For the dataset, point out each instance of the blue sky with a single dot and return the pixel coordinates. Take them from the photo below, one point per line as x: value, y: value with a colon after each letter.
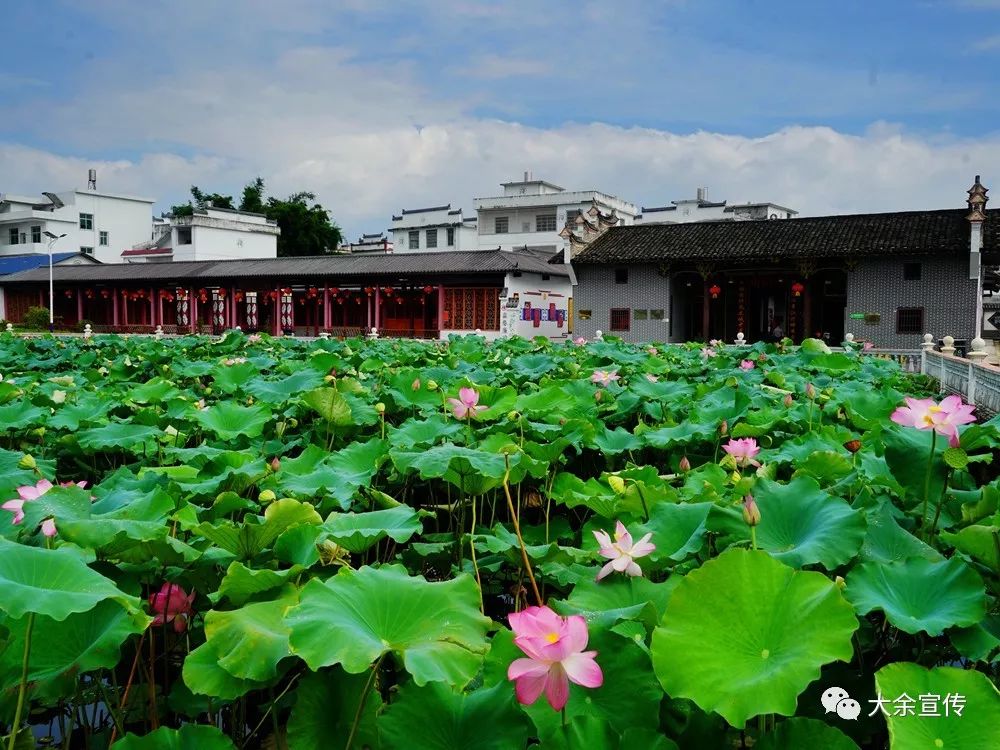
x: 378, y: 105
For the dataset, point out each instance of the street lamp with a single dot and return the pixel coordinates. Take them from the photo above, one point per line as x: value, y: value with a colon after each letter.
x: 52, y: 300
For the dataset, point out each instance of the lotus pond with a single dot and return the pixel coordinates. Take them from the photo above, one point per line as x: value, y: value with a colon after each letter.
x: 256, y: 542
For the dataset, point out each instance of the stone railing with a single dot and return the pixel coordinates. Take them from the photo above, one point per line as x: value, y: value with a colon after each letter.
x: 970, y: 376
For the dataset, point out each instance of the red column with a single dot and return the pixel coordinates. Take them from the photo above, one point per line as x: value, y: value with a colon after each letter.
x: 378, y: 305
x: 193, y: 309
x: 277, y: 312
x: 368, y: 313
x: 705, y: 312
x: 79, y: 305
x: 231, y: 300
x: 114, y: 306
x: 152, y: 306
x: 440, y: 316
x: 327, y: 312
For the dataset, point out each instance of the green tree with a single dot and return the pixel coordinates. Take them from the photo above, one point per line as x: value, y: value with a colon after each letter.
x: 253, y: 197
x: 203, y: 200
x: 306, y: 227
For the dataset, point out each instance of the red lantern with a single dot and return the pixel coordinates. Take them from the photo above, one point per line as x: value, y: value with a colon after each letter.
x: 715, y: 290
x: 428, y: 289
x: 238, y: 295
x: 221, y: 293
x: 369, y: 290
x: 797, y: 289
x: 89, y: 294
x: 68, y: 293
x: 105, y: 293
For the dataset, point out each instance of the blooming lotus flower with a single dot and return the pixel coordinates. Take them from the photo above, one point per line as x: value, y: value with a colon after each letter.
x: 49, y: 527
x: 707, y: 352
x: 579, y: 341
x: 27, y: 493
x: 714, y: 343
x: 943, y: 418
x: 554, y: 647
x: 743, y: 450
x: 622, y: 551
x: 746, y: 364
x: 466, y: 405
x: 604, y: 377
x: 230, y: 361
x: 171, y: 604
x: 868, y: 346
x: 253, y: 338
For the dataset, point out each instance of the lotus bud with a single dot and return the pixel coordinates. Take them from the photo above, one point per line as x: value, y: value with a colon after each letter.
x: 597, y: 395
x: 432, y: 385
x: 27, y: 462
x: 810, y: 390
x: 840, y: 583
x: 789, y: 400
x: 171, y: 431
x: 275, y: 464
x: 724, y: 428
x: 266, y: 497
x: 329, y: 378
x: 380, y: 408
x: 293, y: 423
x: 751, y: 513
x: 684, y: 464
x: 853, y: 445
x: 617, y: 484
x: 415, y: 385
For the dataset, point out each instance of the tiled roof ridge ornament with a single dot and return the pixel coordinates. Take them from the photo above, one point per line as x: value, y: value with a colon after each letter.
x: 977, y: 202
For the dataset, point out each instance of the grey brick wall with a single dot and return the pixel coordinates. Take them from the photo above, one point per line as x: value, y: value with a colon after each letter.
x: 944, y: 290
x: 597, y: 291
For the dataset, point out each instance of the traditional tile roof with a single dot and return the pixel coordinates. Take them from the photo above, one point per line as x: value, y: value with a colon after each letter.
x: 11, y: 264
x: 425, y: 265
x: 905, y: 233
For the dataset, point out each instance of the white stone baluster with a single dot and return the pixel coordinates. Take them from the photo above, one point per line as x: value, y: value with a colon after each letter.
x: 740, y: 339
x: 926, y: 346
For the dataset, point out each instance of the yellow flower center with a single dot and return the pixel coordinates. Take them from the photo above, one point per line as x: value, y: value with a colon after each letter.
x: 552, y: 637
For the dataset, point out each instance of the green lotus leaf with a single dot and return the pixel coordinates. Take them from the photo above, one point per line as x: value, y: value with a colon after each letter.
x: 435, y: 717
x: 81, y: 643
x: 242, y: 583
x: 798, y: 733
x: 982, y: 543
x: 424, y: 431
x: 618, y: 440
x: 250, y: 641
x: 232, y: 378
x: 356, y: 532
x: 906, y: 452
x: 886, y: 541
x: 678, y: 529
x: 618, y: 598
x: 124, y: 436
x: 357, y: 616
x: 21, y: 414
x: 975, y: 726
x: 153, y: 391
x: 326, y: 703
x: 330, y: 404
x: 918, y: 594
x: 802, y: 525
x: 250, y: 539
x: 229, y: 420
x: 279, y: 391
x: 203, y: 676
x: 979, y: 642
x: 188, y: 737
x: 744, y: 634
x: 339, y: 475
x: 55, y: 583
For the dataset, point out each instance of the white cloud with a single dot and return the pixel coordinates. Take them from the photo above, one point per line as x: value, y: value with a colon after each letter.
x: 987, y: 44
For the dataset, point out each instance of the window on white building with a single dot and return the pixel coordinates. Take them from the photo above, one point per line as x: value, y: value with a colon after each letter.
x: 414, y: 237
x: 451, y: 236
x: 545, y: 223
x: 571, y: 214
x: 184, y: 235
x: 86, y: 221
x: 87, y: 250
x: 432, y: 238
x: 103, y: 239
x: 13, y: 235
x: 36, y: 234
x: 501, y: 225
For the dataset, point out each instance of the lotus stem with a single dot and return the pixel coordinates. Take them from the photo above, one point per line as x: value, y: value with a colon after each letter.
x: 475, y: 565
x: 642, y: 499
x: 753, y: 536
x: 927, y: 483
x: 361, y: 703
x: 517, y: 532
x: 940, y: 502
x: 23, y: 687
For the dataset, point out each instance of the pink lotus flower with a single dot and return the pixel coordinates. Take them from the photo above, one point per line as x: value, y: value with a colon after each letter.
x: 253, y: 338
x: 415, y: 385
x: 554, y: 646
x: 622, y: 552
x: 714, y: 343
x: 652, y: 378
x: 466, y: 405
x: 707, y: 352
x: 943, y: 418
x: 743, y: 450
x: 746, y: 364
x: 868, y: 346
x: 604, y: 377
x: 27, y: 494
x: 579, y: 341
x: 172, y: 604
x: 49, y: 527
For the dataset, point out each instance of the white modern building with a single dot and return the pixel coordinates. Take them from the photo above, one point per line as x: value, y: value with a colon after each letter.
x: 377, y: 242
x: 433, y: 229
x: 700, y: 208
x: 89, y: 221
x: 207, y: 234
x: 533, y: 213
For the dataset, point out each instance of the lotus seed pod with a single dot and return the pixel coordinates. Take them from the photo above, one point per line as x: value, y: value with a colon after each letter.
x: 27, y: 462
x: 329, y: 378
x: 293, y: 423
x: 432, y: 385
x: 617, y: 484
x: 380, y: 408
x: 266, y: 497
x: 512, y: 416
x: 751, y: 513
x: 853, y: 445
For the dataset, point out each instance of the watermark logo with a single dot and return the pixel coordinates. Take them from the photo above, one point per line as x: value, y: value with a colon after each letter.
x: 836, y: 700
